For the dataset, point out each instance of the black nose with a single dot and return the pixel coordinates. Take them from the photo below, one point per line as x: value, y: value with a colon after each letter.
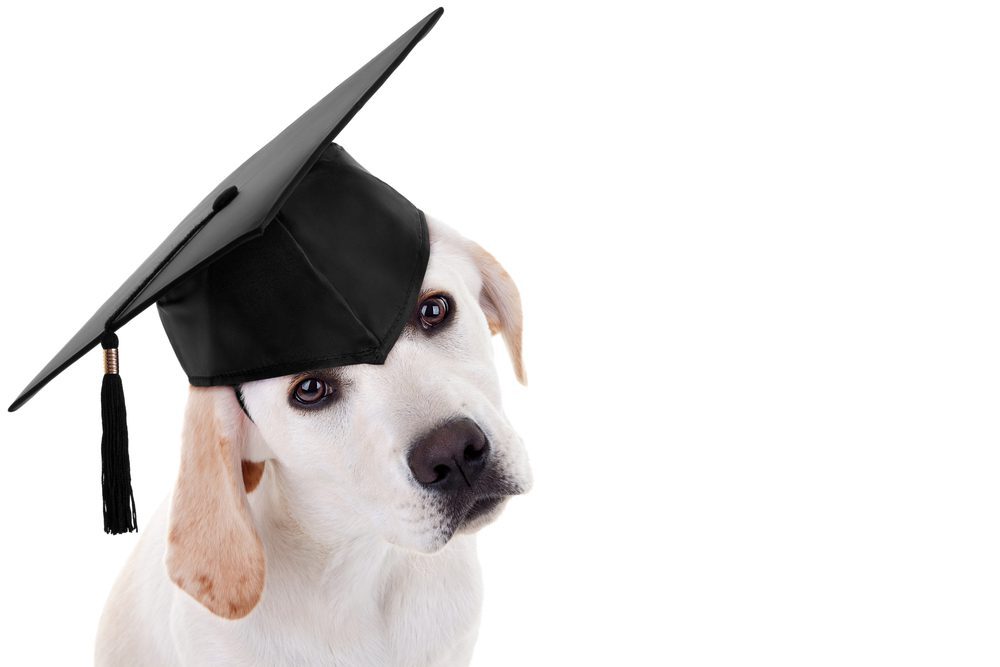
x: 451, y: 456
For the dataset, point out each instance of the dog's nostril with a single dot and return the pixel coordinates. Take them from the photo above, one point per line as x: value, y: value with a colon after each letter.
x: 440, y: 472
x: 473, y: 453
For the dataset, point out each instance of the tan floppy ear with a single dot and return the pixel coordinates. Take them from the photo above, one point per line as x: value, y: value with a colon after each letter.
x: 501, y: 302
x: 213, y: 550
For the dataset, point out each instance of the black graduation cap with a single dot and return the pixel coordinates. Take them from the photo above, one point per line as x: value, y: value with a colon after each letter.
x: 299, y: 232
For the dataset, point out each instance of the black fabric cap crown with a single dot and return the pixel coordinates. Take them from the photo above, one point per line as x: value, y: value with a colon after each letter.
x: 331, y: 282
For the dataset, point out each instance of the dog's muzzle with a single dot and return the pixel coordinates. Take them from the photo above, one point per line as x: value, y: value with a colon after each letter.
x: 453, y: 461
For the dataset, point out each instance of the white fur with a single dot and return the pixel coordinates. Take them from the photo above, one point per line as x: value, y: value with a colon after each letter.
x: 362, y: 567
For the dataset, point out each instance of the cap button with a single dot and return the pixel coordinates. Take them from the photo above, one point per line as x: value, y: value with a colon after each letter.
x: 224, y: 198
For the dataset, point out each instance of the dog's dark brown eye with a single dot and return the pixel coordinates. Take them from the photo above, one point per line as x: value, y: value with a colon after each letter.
x: 311, y: 391
x: 433, y: 310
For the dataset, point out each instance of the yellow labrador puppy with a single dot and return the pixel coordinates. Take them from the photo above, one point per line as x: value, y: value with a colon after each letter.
x: 328, y: 518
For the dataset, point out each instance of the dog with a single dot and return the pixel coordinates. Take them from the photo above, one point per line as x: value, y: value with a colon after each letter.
x: 329, y: 517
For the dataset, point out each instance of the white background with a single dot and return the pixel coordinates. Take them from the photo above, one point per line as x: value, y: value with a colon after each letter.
x: 757, y: 245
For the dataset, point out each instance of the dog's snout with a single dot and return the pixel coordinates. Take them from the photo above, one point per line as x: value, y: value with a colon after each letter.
x: 450, y: 457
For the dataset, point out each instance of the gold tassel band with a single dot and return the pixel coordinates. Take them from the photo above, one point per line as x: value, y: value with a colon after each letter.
x: 111, y: 361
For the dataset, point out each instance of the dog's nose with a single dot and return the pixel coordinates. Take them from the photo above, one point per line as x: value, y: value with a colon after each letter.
x: 450, y: 457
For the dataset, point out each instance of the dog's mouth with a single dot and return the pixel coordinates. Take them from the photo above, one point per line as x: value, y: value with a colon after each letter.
x: 470, y: 510
x: 482, y: 507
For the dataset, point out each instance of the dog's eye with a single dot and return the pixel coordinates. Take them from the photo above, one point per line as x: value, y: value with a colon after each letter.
x: 433, y: 310
x: 311, y: 391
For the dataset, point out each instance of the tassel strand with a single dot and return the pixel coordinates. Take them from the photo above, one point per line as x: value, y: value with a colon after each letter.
x: 116, y: 476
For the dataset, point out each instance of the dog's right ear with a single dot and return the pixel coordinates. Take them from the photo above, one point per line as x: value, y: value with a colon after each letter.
x: 501, y: 303
x: 213, y: 551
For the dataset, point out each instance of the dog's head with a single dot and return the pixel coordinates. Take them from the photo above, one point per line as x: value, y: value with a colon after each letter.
x: 410, y: 451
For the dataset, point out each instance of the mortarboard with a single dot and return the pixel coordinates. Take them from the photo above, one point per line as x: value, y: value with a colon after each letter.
x: 299, y: 229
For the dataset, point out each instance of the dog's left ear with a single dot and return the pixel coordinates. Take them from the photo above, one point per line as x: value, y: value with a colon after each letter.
x: 501, y: 302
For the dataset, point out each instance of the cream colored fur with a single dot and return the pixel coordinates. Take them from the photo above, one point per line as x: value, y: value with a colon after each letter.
x: 335, y: 556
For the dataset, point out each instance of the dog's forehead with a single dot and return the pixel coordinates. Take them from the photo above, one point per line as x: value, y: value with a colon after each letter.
x: 450, y: 264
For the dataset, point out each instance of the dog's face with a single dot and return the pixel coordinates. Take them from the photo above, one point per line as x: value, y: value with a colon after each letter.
x: 417, y: 448
x: 410, y: 451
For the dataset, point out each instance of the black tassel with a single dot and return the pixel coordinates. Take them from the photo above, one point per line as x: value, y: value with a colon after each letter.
x: 116, y: 477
